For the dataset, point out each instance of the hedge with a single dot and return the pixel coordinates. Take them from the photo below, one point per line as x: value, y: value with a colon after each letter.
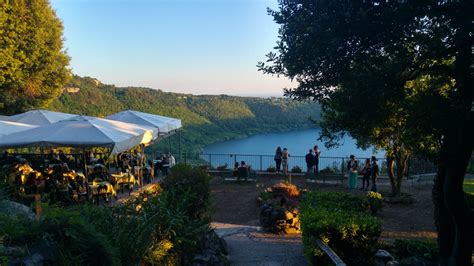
x: 341, y: 221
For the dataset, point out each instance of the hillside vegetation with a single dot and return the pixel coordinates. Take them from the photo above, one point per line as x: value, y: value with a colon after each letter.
x: 206, y: 118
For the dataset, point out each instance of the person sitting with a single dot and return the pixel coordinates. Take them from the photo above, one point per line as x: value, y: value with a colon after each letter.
x: 62, y: 157
x: 242, y: 171
x: 234, y: 171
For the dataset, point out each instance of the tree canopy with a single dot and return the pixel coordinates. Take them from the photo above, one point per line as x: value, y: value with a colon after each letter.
x: 392, y: 73
x: 33, y: 65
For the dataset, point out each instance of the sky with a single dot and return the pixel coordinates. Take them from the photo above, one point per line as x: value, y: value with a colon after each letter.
x: 191, y: 46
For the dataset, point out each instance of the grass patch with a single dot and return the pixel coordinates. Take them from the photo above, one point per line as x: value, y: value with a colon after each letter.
x: 469, y: 186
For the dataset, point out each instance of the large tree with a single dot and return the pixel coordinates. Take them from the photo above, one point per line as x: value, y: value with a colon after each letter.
x: 396, y: 74
x: 33, y: 63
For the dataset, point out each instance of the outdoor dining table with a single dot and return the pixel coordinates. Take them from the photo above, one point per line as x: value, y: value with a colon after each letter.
x: 95, y: 185
x: 122, y: 179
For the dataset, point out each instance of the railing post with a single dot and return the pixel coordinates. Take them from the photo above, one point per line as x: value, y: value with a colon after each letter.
x: 342, y: 165
x: 261, y: 168
x: 210, y: 162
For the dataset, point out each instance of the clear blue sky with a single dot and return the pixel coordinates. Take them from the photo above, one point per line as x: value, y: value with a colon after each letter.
x: 193, y: 46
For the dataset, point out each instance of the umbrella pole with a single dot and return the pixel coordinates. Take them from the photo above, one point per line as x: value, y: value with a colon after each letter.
x: 42, y: 156
x: 179, y: 145
x: 85, y: 163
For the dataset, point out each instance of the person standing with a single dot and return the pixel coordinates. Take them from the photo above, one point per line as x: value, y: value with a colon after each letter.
x: 317, y: 152
x: 352, y: 167
x: 284, y: 160
x: 278, y: 155
x: 310, y: 162
x: 374, y: 173
x: 366, y: 174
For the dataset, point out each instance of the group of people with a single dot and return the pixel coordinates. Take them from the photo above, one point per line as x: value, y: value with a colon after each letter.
x: 369, y: 172
x: 241, y: 170
x: 312, y: 160
x: 281, y: 159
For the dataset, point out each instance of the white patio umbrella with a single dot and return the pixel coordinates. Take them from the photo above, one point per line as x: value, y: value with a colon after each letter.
x: 39, y: 117
x: 164, y: 124
x: 8, y: 127
x: 82, y: 131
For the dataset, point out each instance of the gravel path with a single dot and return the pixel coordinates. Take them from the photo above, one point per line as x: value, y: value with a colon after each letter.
x: 247, y: 245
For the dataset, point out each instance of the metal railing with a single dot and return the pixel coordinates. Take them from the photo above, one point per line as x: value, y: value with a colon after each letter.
x: 260, y: 162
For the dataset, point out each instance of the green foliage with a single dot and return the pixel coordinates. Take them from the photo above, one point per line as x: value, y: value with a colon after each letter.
x: 375, y: 201
x: 206, y: 118
x: 192, y: 185
x: 296, y: 169
x: 33, y: 62
x: 271, y: 169
x: 158, y: 226
x: 341, y: 222
x: 469, y: 186
x: 71, y: 240
x: 406, y: 248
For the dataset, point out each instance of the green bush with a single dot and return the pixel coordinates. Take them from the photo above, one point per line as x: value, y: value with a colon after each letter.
x: 296, y: 169
x: 339, y: 220
x: 157, y: 227
x: 336, y: 201
x: 406, y: 248
x: 64, y: 233
x: 375, y: 201
x: 271, y: 169
x: 191, y: 186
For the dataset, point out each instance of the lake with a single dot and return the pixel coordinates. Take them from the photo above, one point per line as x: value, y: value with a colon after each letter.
x: 297, y: 142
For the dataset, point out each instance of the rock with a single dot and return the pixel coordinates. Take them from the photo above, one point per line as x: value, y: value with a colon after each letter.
x: 383, y: 255
x: 202, y: 257
x: 15, y: 208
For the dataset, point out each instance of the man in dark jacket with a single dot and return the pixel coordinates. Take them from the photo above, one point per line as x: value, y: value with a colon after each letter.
x: 310, y: 161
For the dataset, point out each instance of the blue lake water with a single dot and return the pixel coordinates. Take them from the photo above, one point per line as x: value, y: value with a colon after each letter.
x: 297, y: 142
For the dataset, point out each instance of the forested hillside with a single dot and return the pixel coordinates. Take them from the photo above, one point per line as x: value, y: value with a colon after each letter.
x: 206, y: 118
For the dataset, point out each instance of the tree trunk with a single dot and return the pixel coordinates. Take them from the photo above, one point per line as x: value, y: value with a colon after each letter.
x: 452, y: 213
x: 401, y: 166
x: 391, y: 173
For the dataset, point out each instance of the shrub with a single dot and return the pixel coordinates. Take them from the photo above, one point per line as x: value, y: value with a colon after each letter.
x: 191, y: 186
x: 375, y: 201
x: 61, y: 236
x: 296, y: 169
x: 336, y: 201
x: 327, y: 170
x: 271, y: 169
x: 424, y: 249
x: 340, y: 221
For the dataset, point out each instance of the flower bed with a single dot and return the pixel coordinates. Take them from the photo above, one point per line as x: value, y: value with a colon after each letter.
x: 279, y: 210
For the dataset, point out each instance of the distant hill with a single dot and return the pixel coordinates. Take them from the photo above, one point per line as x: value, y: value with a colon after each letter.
x: 206, y: 118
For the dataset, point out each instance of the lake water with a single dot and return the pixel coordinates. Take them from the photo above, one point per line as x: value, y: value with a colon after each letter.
x: 297, y: 142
